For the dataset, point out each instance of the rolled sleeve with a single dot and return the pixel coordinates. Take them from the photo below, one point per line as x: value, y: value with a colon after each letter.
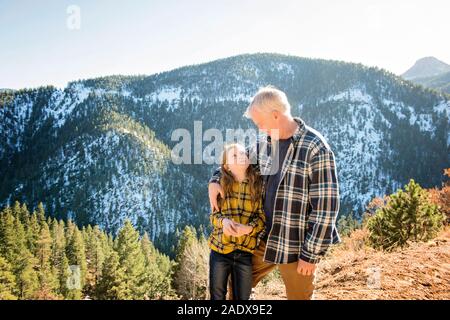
x: 216, y: 176
x: 216, y: 219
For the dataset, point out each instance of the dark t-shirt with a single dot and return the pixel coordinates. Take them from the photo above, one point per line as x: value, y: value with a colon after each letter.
x: 273, y: 180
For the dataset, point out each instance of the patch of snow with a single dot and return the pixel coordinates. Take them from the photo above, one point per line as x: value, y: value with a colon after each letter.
x: 169, y: 94
x: 283, y: 68
x: 395, y: 107
x: 425, y: 122
x: 443, y: 107
x: 126, y: 93
x: 353, y: 95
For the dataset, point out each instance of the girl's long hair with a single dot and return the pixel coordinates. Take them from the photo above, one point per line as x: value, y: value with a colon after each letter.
x: 227, y: 179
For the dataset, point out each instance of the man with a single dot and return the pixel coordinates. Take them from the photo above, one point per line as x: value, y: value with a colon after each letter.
x: 301, y: 194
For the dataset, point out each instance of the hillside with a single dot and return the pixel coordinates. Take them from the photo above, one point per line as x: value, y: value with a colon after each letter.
x: 98, y: 151
x: 420, y: 271
x: 426, y: 67
x: 440, y: 82
x: 431, y: 73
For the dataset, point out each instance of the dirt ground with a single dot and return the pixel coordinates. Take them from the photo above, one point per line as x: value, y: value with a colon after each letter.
x: 354, y: 271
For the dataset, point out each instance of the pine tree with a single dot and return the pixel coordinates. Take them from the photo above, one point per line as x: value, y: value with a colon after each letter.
x: 95, y: 256
x: 26, y: 277
x: 59, y: 261
x: 13, y: 247
x: 7, y: 281
x: 409, y: 215
x: 109, y: 286
x: 16, y: 209
x: 7, y: 235
x: 76, y: 256
x: 132, y: 261
x: 347, y: 224
x: 48, y: 282
x: 40, y: 213
x: 24, y: 215
x: 64, y: 273
x: 157, y: 271
x: 32, y: 232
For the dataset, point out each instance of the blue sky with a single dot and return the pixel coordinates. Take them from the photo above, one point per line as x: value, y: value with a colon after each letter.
x: 145, y: 37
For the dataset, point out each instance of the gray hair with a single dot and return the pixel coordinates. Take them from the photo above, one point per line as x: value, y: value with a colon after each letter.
x: 268, y: 99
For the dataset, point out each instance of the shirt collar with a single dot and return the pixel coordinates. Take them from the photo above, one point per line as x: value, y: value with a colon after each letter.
x: 298, y: 133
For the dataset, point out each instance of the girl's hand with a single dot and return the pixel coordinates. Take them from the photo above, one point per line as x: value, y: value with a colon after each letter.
x: 229, y: 227
x: 243, y: 229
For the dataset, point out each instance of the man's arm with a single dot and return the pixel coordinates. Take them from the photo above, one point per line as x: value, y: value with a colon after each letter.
x: 214, y: 189
x: 324, y: 199
x: 216, y: 176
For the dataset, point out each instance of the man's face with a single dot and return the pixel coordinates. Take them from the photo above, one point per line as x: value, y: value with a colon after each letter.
x: 267, y: 122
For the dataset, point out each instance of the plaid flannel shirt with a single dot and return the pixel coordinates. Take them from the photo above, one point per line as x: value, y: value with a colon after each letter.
x: 239, y: 207
x: 307, y: 199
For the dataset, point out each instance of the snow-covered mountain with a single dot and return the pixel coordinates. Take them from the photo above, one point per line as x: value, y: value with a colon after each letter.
x: 99, y: 150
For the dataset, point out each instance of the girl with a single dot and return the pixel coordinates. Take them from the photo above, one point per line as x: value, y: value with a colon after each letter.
x: 237, y: 227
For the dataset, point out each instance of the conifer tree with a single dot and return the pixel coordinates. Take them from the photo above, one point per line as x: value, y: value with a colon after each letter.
x: 157, y: 271
x: 48, y: 283
x: 132, y: 261
x: 7, y: 281
x: 7, y: 235
x: 95, y: 256
x: 40, y: 213
x: 347, y: 224
x: 16, y: 209
x: 109, y: 286
x: 59, y: 261
x: 32, y: 232
x: 76, y: 256
x: 26, y: 277
x: 13, y: 248
x: 25, y: 264
x: 24, y: 215
x: 409, y: 215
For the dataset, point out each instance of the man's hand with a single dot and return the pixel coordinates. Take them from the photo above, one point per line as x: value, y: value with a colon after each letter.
x: 305, y: 268
x: 229, y: 227
x: 214, y: 189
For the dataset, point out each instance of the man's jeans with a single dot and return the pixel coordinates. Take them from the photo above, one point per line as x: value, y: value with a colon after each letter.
x: 238, y: 264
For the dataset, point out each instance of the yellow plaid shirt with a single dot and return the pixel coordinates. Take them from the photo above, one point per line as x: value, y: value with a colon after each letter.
x: 238, y: 207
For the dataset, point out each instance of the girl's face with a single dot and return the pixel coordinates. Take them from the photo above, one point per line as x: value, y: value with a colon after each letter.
x: 236, y: 160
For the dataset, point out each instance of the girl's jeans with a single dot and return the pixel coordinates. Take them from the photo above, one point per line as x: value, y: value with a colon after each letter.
x: 238, y: 264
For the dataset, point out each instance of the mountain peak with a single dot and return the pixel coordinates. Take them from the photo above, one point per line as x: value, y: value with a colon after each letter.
x: 426, y: 67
